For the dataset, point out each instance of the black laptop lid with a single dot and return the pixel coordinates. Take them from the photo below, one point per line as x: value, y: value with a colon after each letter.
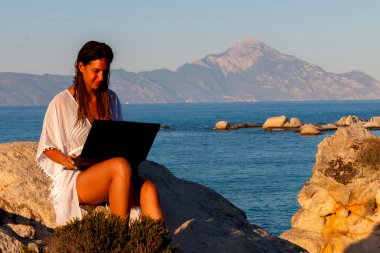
x: 108, y: 139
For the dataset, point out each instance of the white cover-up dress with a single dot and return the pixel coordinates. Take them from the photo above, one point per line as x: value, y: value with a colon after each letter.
x: 61, y: 132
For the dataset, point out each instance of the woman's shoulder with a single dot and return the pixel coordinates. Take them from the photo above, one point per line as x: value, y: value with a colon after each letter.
x: 61, y: 97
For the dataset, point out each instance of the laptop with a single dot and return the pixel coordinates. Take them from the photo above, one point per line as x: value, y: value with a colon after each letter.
x: 108, y: 139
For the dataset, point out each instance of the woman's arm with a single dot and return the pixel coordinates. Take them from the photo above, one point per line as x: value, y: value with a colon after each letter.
x: 59, y: 157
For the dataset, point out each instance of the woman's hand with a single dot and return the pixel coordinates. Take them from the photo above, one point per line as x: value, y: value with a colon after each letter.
x: 61, y: 158
x: 69, y: 162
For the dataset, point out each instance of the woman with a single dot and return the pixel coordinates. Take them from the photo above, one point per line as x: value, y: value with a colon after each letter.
x: 66, y: 125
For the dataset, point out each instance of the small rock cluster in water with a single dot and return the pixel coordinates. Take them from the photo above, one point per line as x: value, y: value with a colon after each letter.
x: 295, y: 124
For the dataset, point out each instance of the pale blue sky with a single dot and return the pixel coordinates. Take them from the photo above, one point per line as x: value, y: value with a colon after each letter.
x: 43, y: 36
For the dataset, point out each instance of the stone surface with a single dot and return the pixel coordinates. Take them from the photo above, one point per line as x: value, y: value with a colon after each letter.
x: 295, y: 122
x: 199, y: 219
x: 26, y: 214
x: 373, y: 122
x: 275, y: 122
x: 340, y: 202
x: 222, y: 125
x: 347, y: 121
x: 310, y: 129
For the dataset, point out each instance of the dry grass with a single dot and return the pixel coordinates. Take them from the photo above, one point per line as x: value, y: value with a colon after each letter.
x: 105, y: 232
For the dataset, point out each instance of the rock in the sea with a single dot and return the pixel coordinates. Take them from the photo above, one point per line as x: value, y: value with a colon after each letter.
x: 244, y: 125
x: 222, y: 125
x: 310, y: 129
x: 198, y: 218
x: 275, y: 122
x: 374, y: 122
x: 295, y: 122
x: 225, y: 125
x: 340, y: 202
x: 347, y: 121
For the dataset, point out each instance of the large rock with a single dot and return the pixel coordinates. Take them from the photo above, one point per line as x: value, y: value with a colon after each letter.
x: 198, y: 218
x: 295, y: 122
x: 222, y: 125
x: 275, y: 122
x: 310, y: 129
x: 374, y: 122
x: 340, y: 202
x: 347, y: 121
x: 25, y: 211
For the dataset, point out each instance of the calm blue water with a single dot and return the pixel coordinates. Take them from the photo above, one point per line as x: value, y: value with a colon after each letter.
x: 260, y: 172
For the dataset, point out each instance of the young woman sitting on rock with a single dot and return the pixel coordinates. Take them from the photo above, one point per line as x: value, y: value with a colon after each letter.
x: 66, y: 125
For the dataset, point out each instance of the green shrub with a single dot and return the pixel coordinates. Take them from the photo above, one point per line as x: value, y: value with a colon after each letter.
x: 147, y: 235
x: 106, y: 232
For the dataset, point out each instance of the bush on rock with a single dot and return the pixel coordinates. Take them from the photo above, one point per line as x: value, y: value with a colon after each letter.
x: 106, y: 232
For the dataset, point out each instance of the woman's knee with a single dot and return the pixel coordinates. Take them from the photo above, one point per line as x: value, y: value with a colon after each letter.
x: 121, y: 168
x: 149, y: 190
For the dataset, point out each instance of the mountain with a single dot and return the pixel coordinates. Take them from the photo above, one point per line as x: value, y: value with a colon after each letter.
x: 27, y: 89
x: 248, y: 71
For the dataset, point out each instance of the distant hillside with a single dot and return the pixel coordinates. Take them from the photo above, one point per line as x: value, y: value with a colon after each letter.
x: 27, y: 89
x: 248, y: 71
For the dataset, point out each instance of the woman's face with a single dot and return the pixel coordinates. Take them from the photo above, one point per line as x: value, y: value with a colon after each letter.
x: 94, y: 73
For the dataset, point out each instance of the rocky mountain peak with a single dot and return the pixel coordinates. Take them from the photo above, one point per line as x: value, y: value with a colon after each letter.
x: 247, y: 44
x: 238, y: 58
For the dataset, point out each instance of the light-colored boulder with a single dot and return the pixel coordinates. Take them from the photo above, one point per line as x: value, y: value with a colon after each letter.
x: 375, y: 119
x: 347, y: 121
x: 373, y: 122
x: 222, y: 125
x: 310, y: 129
x: 295, y: 122
x: 25, y: 210
x: 18, y: 173
x: 275, y: 122
x: 344, y: 192
x: 198, y: 218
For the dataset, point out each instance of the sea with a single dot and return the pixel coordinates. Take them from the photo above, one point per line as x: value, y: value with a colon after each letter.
x: 259, y: 172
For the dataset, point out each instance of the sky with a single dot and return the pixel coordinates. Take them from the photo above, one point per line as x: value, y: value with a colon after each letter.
x: 44, y: 36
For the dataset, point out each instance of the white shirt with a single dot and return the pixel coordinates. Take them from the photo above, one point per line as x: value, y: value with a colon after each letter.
x: 61, y: 132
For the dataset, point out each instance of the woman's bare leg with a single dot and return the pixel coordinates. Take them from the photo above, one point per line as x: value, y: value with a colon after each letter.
x: 108, y: 180
x: 149, y: 201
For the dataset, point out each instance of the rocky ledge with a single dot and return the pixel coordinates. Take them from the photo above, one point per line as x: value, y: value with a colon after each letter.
x: 198, y: 218
x: 340, y: 203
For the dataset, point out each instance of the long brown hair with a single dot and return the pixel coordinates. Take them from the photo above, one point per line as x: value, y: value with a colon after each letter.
x: 92, y: 50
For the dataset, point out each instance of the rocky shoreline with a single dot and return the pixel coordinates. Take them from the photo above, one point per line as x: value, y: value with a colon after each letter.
x: 198, y: 218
